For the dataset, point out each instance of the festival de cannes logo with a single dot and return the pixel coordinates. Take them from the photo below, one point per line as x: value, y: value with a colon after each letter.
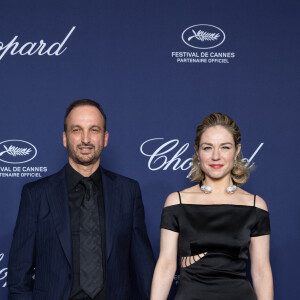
x: 17, y: 151
x: 203, y: 36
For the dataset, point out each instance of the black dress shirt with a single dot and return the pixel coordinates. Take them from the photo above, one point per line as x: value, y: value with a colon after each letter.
x: 76, y: 192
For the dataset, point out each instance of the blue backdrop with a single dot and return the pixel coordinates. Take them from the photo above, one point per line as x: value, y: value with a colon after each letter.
x: 156, y: 77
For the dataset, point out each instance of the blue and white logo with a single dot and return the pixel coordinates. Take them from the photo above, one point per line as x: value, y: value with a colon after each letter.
x: 203, y: 36
x: 3, y: 273
x: 17, y: 151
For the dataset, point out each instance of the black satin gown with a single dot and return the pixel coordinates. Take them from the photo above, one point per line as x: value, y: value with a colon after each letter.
x: 213, y: 248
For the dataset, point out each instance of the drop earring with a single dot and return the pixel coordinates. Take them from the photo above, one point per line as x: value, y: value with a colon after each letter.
x: 234, y: 163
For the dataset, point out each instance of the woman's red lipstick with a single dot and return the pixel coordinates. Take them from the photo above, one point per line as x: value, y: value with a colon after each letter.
x: 216, y: 166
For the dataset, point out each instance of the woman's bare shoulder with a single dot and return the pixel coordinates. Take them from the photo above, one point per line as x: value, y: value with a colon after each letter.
x: 261, y: 203
x: 172, y: 199
x: 249, y: 198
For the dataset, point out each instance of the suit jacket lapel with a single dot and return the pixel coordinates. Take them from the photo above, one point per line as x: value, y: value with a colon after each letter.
x: 59, y: 206
x: 111, y: 205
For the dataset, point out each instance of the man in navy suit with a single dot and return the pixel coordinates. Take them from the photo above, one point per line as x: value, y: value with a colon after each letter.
x: 80, y: 233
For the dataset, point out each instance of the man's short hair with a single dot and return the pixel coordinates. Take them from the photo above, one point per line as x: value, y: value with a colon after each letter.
x: 82, y: 102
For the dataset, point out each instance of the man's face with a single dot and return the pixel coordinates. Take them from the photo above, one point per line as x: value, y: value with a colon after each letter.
x: 85, y: 137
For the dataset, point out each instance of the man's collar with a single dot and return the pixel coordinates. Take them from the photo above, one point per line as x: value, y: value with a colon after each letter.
x: 96, y: 177
x: 73, y: 177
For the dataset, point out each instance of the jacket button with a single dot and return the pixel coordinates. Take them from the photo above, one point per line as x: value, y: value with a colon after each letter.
x: 70, y: 276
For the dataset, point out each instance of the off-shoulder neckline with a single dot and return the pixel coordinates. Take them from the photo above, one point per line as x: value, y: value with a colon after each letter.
x: 239, y: 205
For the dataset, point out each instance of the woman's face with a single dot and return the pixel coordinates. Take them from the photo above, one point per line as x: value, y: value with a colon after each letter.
x: 217, y: 152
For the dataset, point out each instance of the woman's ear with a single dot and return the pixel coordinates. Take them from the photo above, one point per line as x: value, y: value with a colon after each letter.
x: 238, y: 150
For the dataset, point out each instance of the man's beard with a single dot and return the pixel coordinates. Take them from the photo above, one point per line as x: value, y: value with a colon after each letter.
x: 79, y: 159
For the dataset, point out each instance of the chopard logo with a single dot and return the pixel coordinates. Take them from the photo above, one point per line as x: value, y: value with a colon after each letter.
x: 3, y: 272
x: 203, y: 36
x: 31, y: 48
x: 158, y: 158
x: 161, y: 156
x: 17, y: 151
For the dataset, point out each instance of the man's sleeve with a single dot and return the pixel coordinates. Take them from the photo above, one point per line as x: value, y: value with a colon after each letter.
x: 22, y: 253
x: 141, y: 250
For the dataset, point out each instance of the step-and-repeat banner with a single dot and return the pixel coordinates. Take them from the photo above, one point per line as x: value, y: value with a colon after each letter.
x: 157, y: 68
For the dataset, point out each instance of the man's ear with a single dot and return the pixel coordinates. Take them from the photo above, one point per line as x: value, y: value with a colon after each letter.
x: 65, y: 139
x: 106, y: 135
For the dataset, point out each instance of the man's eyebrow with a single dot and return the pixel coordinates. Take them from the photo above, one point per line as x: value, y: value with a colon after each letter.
x: 72, y: 126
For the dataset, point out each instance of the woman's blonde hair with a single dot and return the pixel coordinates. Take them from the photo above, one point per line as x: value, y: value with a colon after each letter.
x: 240, y: 172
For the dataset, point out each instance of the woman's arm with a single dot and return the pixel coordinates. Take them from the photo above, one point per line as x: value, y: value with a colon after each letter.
x: 167, y: 261
x: 166, y: 265
x: 260, y: 262
x: 260, y: 267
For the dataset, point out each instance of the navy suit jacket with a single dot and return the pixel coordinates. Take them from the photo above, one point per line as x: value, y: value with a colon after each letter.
x: 42, y: 245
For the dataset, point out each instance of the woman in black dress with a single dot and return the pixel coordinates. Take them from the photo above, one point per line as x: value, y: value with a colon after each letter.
x: 212, y: 225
